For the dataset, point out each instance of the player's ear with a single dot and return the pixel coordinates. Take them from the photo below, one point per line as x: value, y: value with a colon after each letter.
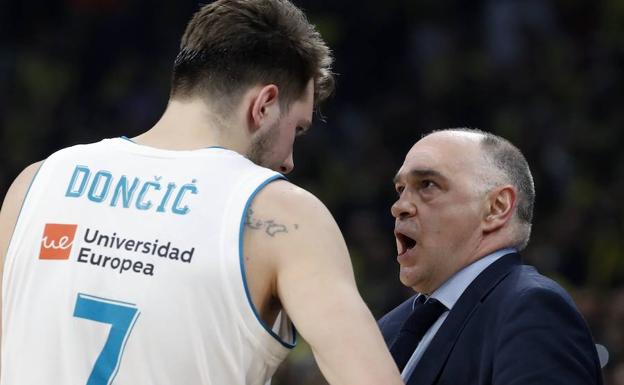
x: 499, y: 208
x: 264, y: 107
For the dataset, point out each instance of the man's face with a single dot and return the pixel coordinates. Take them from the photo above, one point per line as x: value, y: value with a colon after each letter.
x: 439, y: 210
x: 273, y: 146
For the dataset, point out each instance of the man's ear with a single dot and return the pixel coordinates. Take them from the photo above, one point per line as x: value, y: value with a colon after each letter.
x: 500, y: 206
x: 263, y: 107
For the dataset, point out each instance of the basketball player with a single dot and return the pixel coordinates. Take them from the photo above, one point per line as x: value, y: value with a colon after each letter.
x: 182, y: 255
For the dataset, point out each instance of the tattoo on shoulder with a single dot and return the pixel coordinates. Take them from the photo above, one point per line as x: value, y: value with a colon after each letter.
x: 270, y: 226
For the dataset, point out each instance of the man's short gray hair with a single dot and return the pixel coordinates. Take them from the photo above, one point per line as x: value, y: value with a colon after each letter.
x: 506, y: 158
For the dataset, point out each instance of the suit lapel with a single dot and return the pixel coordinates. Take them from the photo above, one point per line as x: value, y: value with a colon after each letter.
x: 434, y: 359
x: 391, y: 323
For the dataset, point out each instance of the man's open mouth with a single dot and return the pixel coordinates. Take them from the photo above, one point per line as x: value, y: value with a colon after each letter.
x: 406, y: 243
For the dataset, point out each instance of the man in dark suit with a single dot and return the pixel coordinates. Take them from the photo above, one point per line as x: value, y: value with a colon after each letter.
x: 479, y: 315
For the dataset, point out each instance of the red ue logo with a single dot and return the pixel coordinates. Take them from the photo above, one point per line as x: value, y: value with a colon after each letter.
x: 57, y: 241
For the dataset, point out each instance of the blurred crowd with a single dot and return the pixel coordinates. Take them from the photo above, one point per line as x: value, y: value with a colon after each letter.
x: 543, y: 73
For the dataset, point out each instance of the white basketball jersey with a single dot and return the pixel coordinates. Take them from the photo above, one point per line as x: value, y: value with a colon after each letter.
x: 126, y: 268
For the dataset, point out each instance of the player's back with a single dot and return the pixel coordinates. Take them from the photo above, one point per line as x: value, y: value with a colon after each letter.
x: 125, y: 268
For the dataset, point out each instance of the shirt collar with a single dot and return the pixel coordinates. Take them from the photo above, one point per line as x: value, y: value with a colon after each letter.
x: 454, y: 287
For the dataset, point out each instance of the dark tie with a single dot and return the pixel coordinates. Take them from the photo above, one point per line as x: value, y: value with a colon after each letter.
x: 414, y: 328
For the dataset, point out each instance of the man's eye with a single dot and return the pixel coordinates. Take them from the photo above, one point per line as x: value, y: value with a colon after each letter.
x: 399, y: 190
x: 300, y: 131
x: 427, y: 184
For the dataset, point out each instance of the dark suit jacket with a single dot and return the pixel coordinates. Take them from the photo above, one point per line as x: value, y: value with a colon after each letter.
x: 511, y: 326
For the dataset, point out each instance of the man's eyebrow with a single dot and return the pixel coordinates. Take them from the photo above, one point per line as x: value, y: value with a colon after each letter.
x: 419, y: 173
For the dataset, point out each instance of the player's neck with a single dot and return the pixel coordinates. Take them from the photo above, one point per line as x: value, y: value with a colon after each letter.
x: 190, y: 125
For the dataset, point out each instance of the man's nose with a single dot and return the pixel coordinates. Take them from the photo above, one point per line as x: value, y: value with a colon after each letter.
x: 403, y: 208
x: 288, y: 165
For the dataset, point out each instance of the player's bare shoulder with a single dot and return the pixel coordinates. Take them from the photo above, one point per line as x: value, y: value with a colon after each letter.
x: 283, y: 209
x: 288, y: 225
x: 12, y: 204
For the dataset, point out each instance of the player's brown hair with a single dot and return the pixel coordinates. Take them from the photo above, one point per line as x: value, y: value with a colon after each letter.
x: 230, y: 45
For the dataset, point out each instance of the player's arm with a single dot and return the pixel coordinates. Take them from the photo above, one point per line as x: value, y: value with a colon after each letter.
x: 314, y: 282
x: 11, y: 207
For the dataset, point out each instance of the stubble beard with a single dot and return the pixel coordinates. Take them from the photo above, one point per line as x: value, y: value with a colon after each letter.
x: 261, y: 147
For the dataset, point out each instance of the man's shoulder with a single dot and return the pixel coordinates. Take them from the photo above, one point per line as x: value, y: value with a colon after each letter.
x: 298, y: 224
x: 526, y: 291
x: 290, y: 201
x: 527, y: 281
x: 12, y: 204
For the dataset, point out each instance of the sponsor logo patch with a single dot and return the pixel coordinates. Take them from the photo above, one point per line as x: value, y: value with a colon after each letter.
x: 57, y: 241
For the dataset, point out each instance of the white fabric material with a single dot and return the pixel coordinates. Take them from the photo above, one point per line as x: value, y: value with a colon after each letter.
x: 145, y: 282
x: 448, y: 294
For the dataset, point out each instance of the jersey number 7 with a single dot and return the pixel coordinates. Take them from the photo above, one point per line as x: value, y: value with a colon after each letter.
x: 121, y: 316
